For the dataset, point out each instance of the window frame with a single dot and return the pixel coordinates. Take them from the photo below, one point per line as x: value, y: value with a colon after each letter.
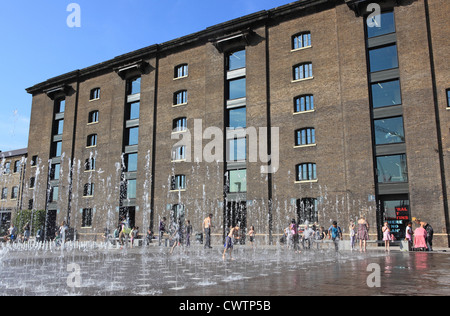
x: 302, y: 70
x: 180, y: 98
x: 181, y: 71
x: 182, y: 128
x: 294, y: 41
x: 92, y: 141
x: 310, y: 140
x: 95, y: 94
x: 178, y: 183
x: 93, y: 117
x: 86, y: 214
x: 311, y: 174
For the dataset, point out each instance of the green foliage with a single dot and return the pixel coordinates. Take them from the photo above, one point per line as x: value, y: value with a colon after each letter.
x: 36, y: 219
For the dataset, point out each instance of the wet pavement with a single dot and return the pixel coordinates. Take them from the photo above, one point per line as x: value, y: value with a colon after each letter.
x: 268, y: 271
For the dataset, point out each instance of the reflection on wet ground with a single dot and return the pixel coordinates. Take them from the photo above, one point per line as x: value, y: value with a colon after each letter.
x: 196, y: 272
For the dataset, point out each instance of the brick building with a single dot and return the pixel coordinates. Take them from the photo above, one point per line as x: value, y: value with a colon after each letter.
x: 354, y: 103
x: 12, y: 171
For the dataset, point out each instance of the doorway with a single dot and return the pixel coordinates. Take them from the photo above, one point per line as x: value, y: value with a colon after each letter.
x: 395, y: 210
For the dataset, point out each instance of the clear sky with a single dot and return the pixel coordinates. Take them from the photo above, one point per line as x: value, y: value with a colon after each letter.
x: 37, y: 44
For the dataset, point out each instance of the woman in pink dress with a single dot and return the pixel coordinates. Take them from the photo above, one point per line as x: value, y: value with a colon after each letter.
x: 420, y: 238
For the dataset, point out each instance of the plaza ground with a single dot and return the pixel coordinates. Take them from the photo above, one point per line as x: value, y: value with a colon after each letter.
x: 262, y: 272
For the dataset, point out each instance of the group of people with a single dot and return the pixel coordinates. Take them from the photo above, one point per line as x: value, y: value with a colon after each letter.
x: 13, y: 234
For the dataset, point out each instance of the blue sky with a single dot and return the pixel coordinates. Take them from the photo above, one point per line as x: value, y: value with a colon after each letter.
x: 37, y: 44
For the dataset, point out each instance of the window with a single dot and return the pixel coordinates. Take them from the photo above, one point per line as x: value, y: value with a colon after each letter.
x: 91, y: 140
x: 15, y: 193
x: 60, y: 106
x: 88, y: 190
x: 131, y: 161
x: 4, y: 193
x: 237, y: 181
x: 386, y: 93
x: 236, y: 60
x: 34, y: 161
x: 237, y: 149
x: 17, y: 166
x: 179, y: 125
x: 383, y: 58
x: 181, y: 71
x: 32, y: 182
x: 89, y: 164
x: 304, y: 103
x: 389, y: 131
x: 178, y: 213
x: 56, y: 149
x: 303, y: 71
x: 59, y: 127
x: 448, y: 98
x: 392, y: 169
x: 134, y: 86
x: 237, y: 118
x: 178, y: 183
x: 180, y: 97
x: 132, y: 112
x: 7, y: 168
x: 55, y: 171
x: 179, y: 153
x: 86, y: 220
x: 30, y: 204
x: 381, y: 24
x: 306, y: 172
x: 132, y: 136
x: 54, y: 193
x: 307, y: 211
x: 93, y: 117
x: 301, y: 40
x: 306, y: 136
x: 131, y: 189
x: 95, y: 94
x: 237, y: 88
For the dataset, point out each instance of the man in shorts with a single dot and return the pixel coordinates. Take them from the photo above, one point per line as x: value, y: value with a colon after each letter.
x: 229, y: 241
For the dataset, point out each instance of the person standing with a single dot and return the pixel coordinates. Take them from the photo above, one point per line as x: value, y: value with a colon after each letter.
x: 62, y: 232
x: 229, y: 241
x: 294, y: 233
x: 335, y: 233
x: 429, y: 230
x: 162, y: 229
x: 188, y: 233
x: 207, y: 226
x: 308, y: 235
x: 363, y: 233
x: 409, y: 234
x: 26, y: 232
x: 386, y: 236
x: 420, y: 238
x: 251, y: 235
x: 352, y: 229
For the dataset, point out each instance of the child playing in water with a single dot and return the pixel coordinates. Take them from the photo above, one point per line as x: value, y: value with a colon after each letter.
x: 386, y: 236
x: 229, y: 241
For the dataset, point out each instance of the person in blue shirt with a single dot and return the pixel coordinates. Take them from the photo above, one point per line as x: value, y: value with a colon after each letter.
x: 335, y: 233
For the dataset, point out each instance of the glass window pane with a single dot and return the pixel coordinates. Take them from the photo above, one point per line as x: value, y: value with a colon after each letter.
x: 237, y: 118
x: 131, y: 162
x: 131, y: 189
x: 237, y: 149
x: 392, y: 169
x: 389, y: 131
x: 133, y: 136
x: 133, y: 111
x: 386, y: 94
x: 386, y: 25
x: 61, y: 106
x: 135, y: 86
x: 238, y: 181
x: 236, y: 60
x: 383, y: 58
x: 237, y: 89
